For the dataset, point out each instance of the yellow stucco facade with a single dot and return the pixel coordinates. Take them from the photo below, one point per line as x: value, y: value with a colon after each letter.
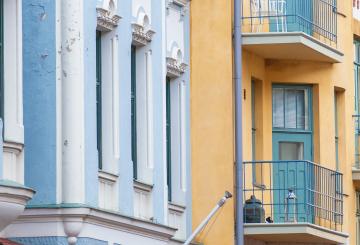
x: 212, y: 116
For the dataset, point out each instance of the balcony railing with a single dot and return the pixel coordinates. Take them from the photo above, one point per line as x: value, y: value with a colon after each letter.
x: 291, y: 192
x: 317, y: 18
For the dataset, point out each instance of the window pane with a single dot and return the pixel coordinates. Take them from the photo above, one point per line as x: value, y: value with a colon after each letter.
x: 300, y: 111
x: 290, y: 108
x: 291, y: 150
x: 278, y: 107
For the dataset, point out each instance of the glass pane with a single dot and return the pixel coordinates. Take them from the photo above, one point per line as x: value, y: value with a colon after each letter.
x: 300, y: 112
x: 278, y: 107
x: 291, y: 150
x: 290, y: 108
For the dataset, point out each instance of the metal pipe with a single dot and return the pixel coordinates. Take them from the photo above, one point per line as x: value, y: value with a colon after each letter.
x: 237, y: 43
x: 219, y: 205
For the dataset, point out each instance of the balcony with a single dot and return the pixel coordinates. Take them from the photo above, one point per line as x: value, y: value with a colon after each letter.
x: 288, y: 201
x: 291, y: 29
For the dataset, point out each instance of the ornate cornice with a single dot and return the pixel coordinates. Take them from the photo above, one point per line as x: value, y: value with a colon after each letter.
x: 140, y: 36
x: 106, y: 21
x: 174, y: 67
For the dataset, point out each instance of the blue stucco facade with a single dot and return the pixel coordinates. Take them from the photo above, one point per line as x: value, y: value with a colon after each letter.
x: 39, y: 91
x: 44, y: 113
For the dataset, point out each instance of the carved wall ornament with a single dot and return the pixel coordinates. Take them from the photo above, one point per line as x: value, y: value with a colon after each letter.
x: 175, y: 68
x: 140, y: 35
x: 107, y: 19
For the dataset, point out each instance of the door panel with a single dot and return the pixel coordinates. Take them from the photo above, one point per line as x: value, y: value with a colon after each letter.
x: 295, y: 148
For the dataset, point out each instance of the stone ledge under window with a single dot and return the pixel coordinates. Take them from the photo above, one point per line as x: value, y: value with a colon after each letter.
x: 176, y: 208
x: 108, y: 176
x: 143, y: 186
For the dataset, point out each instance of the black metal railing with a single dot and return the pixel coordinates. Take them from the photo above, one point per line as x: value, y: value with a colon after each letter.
x: 292, y: 191
x: 317, y: 18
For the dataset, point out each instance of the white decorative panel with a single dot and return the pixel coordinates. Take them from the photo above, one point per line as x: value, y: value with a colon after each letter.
x: 13, y: 162
x: 144, y: 110
x: 107, y: 191
x: 143, y: 208
x: 177, y: 219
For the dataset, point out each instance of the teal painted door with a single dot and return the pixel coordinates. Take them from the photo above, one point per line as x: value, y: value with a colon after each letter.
x: 291, y: 173
x: 292, y: 148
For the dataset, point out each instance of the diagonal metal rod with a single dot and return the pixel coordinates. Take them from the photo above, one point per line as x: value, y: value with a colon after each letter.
x: 219, y: 205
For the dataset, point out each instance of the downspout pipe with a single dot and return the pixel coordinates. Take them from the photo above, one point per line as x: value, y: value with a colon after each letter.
x: 237, y: 42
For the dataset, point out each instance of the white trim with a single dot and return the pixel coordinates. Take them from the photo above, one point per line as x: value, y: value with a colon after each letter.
x: 73, y: 107
x: 289, y: 229
x: 329, y: 54
x: 108, y: 176
x: 97, y: 224
x: 116, y: 99
x: 13, y: 167
x: 13, y: 109
x: 143, y: 186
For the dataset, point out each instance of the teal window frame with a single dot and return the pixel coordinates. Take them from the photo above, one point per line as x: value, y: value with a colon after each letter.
x: 168, y: 137
x: 308, y: 89
x: 98, y: 98
x: 133, y: 113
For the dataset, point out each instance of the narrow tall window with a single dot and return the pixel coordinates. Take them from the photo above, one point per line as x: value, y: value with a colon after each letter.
x: 168, y: 137
x: 133, y: 112
x: 253, y: 118
x: 1, y: 61
x: 336, y: 130
x: 98, y: 98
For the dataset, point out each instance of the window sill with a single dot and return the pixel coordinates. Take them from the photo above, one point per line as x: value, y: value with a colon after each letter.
x: 176, y: 208
x: 142, y: 186
x: 108, y: 176
x: 13, y: 147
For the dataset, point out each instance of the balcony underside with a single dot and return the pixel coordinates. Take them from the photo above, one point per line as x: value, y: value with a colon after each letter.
x: 356, y: 177
x: 290, y: 46
x: 290, y: 232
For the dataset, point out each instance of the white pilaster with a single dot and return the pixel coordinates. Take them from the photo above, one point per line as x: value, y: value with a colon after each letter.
x: 72, y: 101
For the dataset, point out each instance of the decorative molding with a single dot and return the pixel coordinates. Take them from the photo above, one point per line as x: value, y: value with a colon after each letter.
x: 140, y: 36
x: 113, y: 221
x: 106, y: 20
x: 180, y: 3
x: 142, y: 186
x: 13, y: 198
x: 175, y: 68
x: 108, y: 176
x: 176, y: 208
x: 13, y: 147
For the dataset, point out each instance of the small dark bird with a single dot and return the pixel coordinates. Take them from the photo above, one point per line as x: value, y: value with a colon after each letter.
x: 269, y: 220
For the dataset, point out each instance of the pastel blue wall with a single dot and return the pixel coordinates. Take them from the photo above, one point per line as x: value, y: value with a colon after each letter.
x: 125, y: 166
x: 159, y: 77
x: 39, y: 91
x: 91, y: 155
x: 188, y: 127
